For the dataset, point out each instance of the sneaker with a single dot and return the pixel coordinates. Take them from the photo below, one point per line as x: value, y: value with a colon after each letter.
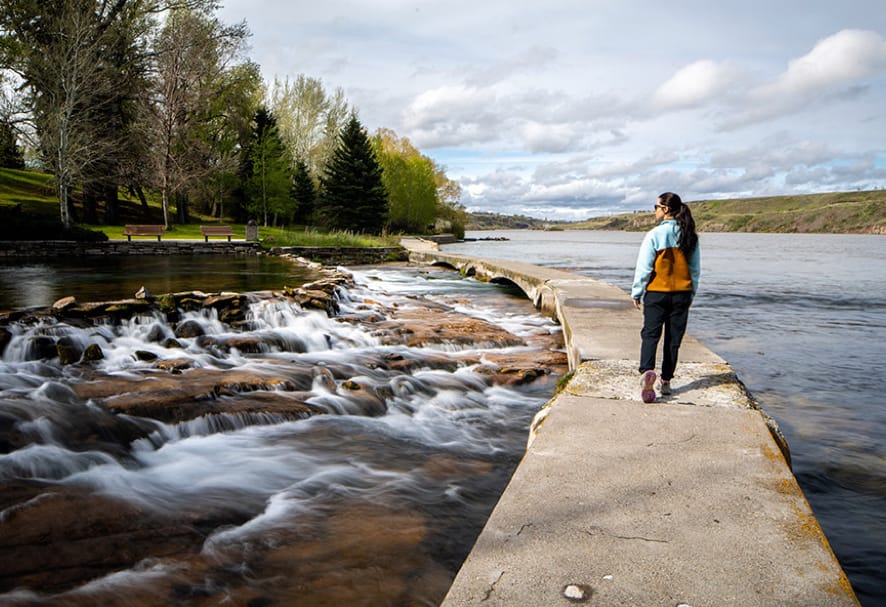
x: 647, y: 390
x: 664, y: 387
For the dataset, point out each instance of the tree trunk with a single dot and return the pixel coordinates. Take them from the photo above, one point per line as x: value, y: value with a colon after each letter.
x: 90, y: 205
x: 112, y: 203
x: 181, y: 207
x: 64, y: 217
x: 136, y: 190
x: 165, y: 198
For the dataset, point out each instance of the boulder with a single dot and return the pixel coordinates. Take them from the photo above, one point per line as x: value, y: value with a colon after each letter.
x: 68, y: 350
x: 92, y: 353
x: 189, y: 329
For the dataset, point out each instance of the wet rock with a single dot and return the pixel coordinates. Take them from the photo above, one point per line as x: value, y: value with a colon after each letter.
x: 175, y: 364
x: 143, y: 293
x: 175, y: 398
x: 314, y: 299
x: 68, y: 350
x: 156, y: 334
x: 324, y: 378
x: 40, y: 347
x: 417, y: 326
x: 231, y: 307
x: 365, y: 398
x: 172, y: 343
x: 145, y: 356
x: 92, y: 353
x: 189, y: 329
x: 57, y: 537
x: 166, y: 303
x: 5, y: 338
x: 64, y: 303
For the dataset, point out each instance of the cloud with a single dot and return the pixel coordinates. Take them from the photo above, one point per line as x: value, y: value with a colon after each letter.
x: 845, y: 57
x: 695, y: 84
x: 452, y: 114
x: 834, y: 70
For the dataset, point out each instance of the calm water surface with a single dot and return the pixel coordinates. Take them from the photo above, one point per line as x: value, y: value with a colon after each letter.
x: 40, y: 283
x: 802, y: 320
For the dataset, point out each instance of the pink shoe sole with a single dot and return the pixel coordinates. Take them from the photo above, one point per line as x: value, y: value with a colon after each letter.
x: 647, y: 390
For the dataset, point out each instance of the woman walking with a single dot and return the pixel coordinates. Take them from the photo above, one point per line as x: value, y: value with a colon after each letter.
x: 668, y: 268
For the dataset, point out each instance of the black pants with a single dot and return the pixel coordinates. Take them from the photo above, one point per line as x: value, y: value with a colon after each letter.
x: 668, y: 310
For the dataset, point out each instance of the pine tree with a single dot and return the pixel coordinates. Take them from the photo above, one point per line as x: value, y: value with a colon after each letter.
x: 352, y: 195
x: 304, y: 193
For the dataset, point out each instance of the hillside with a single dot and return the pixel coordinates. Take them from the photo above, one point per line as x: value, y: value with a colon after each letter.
x: 495, y: 221
x: 838, y: 212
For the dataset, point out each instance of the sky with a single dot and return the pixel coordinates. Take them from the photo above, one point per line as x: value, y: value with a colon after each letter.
x: 569, y: 109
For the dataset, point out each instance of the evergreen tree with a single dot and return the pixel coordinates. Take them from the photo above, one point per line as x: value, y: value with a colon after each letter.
x: 269, y: 183
x: 304, y: 193
x: 352, y: 195
x: 11, y: 156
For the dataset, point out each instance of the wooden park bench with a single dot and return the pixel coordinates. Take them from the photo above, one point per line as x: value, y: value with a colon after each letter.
x: 208, y: 231
x: 143, y: 230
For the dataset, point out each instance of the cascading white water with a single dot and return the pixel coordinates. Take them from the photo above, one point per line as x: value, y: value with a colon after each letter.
x: 350, y: 431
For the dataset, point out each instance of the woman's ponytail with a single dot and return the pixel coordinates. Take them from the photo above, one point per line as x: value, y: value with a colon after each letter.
x: 680, y: 212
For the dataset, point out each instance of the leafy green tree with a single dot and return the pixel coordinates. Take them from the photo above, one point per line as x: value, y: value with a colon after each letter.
x: 309, y: 119
x: 450, y: 212
x: 60, y: 53
x: 304, y: 193
x: 11, y: 155
x: 269, y: 183
x: 409, y: 180
x: 352, y: 195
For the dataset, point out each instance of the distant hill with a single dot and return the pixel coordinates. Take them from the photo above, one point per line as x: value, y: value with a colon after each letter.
x: 837, y: 212
x: 494, y: 221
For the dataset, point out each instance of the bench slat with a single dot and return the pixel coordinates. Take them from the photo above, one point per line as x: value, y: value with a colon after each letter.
x: 131, y: 230
x: 208, y: 231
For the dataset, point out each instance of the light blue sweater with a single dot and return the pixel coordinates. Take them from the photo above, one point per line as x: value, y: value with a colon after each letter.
x: 664, y: 236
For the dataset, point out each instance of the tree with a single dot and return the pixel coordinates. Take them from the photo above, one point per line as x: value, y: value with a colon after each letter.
x: 409, y: 180
x: 304, y: 193
x: 61, y: 57
x: 309, y: 119
x: 269, y: 182
x: 449, y: 207
x: 11, y: 155
x: 194, y: 55
x: 352, y: 195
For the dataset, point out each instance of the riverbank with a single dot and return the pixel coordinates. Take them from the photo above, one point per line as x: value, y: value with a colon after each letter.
x: 690, y: 500
x: 337, y: 255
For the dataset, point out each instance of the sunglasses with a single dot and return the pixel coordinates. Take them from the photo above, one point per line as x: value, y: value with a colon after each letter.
x: 661, y: 206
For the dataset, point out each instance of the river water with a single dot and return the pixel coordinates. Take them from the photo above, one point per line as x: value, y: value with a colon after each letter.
x: 802, y: 320
x: 331, y: 461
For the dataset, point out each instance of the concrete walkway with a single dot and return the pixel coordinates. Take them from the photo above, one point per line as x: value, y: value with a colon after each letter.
x: 689, y: 501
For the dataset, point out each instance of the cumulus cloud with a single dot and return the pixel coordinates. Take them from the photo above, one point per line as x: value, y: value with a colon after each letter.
x: 847, y: 56
x: 695, y: 84
x: 452, y: 114
x: 834, y: 69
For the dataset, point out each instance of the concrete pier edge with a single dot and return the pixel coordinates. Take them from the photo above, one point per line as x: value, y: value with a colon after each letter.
x: 689, y: 501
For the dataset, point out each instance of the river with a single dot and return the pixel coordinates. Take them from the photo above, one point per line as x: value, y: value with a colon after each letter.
x: 802, y: 320
x: 288, y: 459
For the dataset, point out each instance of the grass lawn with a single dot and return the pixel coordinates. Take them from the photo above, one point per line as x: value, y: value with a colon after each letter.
x: 28, y: 197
